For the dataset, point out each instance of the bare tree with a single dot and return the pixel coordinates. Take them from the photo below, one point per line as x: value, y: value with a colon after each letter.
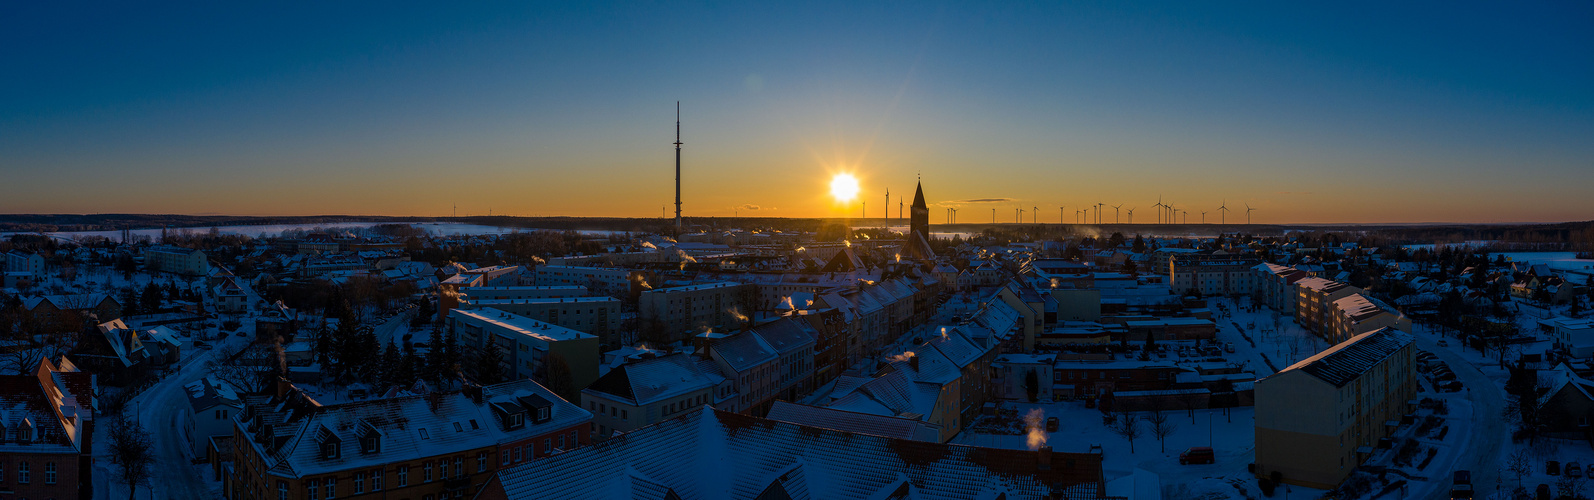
x: 132, y: 450
x: 1127, y: 426
x: 251, y: 369
x: 1518, y: 464
x: 1161, y: 425
x: 20, y: 359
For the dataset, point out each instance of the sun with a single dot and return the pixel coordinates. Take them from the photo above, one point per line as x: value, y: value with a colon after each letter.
x: 844, y: 187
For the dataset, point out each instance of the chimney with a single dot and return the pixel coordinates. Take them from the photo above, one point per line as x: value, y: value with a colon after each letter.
x: 913, y: 361
x: 1045, y: 454
x: 472, y: 391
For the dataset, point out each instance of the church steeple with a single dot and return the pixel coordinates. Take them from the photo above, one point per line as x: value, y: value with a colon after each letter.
x: 918, y: 197
x: 919, y: 223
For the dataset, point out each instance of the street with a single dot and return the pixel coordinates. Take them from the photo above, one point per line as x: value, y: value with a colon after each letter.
x: 1482, y: 454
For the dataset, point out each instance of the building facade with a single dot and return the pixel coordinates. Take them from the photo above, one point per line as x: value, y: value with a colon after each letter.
x: 170, y: 259
x: 526, y: 346
x: 1318, y: 419
x: 1212, y: 274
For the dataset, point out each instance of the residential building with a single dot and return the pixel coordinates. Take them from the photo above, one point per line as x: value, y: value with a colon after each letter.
x: 1212, y: 273
x: 1167, y: 329
x: 1572, y: 335
x: 853, y: 422
x: 23, y: 261
x: 1568, y: 406
x: 1319, y: 419
x: 642, y: 393
x: 716, y: 454
x: 1314, y: 301
x: 46, y: 424
x: 176, y: 260
x: 1357, y: 314
x: 599, y: 316
x: 1275, y: 286
x: 680, y: 312
x: 423, y: 447
x: 614, y: 282
x: 212, y: 406
x: 526, y: 345
x: 774, y: 360
x: 230, y: 298
x: 1020, y: 375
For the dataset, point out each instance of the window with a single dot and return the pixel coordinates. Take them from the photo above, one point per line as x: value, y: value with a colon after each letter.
x: 474, y: 426
x: 442, y: 469
x: 329, y: 449
x: 481, y: 462
x: 313, y: 487
x: 426, y: 473
x: 332, y: 488
x: 547, y: 446
x: 572, y: 440
x: 423, y: 434
x: 459, y: 466
x: 404, y: 475
x: 376, y: 480
x: 457, y: 428
x: 517, y: 453
x: 282, y: 490
x: 359, y: 483
x: 504, y: 458
x: 561, y: 442
x: 22, y: 473
x: 49, y: 473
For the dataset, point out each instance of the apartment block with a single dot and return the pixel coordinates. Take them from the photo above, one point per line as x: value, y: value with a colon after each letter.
x: 1318, y: 419
x: 526, y: 345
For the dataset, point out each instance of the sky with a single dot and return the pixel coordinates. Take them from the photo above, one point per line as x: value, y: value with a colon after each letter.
x: 1347, y: 112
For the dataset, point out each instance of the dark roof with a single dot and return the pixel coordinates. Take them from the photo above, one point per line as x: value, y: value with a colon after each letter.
x: 918, y: 196
x: 1342, y: 363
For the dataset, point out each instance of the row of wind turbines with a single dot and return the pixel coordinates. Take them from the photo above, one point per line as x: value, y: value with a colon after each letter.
x: 1167, y: 213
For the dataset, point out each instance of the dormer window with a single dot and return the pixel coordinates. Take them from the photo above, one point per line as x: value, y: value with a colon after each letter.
x: 330, y: 443
x: 370, y: 438
x: 542, y: 414
x: 517, y: 420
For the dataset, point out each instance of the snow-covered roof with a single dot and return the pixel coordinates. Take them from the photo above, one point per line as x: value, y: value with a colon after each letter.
x: 712, y: 454
x: 859, y: 423
x: 643, y: 382
x: 1344, y: 362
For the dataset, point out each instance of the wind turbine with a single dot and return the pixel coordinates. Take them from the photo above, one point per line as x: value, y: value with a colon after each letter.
x: 1203, y: 216
x: 1061, y: 215
x: 1248, y: 210
x: 1115, y: 212
x: 1018, y: 216
x: 1131, y: 212
x: 1160, y: 208
x: 1034, y: 215
x: 1223, y: 211
x: 1098, y: 212
x: 993, y: 216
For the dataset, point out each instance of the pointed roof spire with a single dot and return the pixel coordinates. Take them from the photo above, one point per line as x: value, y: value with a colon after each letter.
x: 918, y: 195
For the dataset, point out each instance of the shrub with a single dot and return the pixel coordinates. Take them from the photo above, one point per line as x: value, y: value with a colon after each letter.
x: 1266, y: 486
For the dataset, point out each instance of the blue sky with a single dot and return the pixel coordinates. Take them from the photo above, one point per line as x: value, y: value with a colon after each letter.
x: 1356, y: 113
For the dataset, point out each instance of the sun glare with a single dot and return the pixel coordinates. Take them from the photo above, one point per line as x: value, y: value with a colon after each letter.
x: 844, y: 187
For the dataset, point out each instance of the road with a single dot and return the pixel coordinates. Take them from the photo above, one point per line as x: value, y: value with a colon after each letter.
x: 1489, y: 429
x: 161, y: 409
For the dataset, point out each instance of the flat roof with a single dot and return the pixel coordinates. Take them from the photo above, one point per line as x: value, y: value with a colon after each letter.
x: 522, y: 325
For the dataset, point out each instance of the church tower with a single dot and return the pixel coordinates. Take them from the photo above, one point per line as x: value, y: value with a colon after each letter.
x: 920, y: 221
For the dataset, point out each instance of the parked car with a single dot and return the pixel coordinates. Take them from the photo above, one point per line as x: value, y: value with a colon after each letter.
x: 1198, y: 455
x: 1573, y: 470
x: 1051, y: 424
x: 1444, y: 343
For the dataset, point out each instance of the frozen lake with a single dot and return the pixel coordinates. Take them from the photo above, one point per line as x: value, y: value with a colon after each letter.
x: 272, y: 230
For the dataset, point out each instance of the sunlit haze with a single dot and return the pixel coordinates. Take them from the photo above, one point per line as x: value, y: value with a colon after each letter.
x: 1413, y: 113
